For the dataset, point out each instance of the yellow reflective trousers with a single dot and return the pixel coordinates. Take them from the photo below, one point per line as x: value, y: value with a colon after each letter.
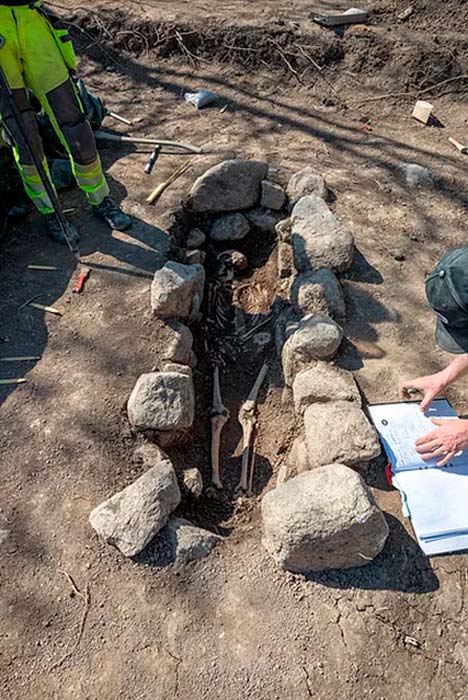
x: 35, y: 55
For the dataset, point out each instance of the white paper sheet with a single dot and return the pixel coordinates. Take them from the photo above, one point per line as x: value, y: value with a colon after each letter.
x: 434, y: 498
x: 401, y: 424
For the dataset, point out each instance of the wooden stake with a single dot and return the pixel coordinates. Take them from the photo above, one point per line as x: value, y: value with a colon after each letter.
x: 25, y: 358
x: 50, y: 268
x: 5, y: 382
x: 49, y: 309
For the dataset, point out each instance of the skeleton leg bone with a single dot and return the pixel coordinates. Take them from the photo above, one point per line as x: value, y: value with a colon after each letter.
x: 248, y: 420
x: 219, y: 416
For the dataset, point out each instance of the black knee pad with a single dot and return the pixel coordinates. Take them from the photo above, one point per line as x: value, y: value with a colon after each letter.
x: 72, y: 123
x: 80, y: 139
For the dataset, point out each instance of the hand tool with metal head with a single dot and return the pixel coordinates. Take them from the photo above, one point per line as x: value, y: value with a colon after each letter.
x: 152, y: 160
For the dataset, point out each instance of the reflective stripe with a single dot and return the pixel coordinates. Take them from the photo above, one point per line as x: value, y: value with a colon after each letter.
x: 34, y: 187
x: 91, y: 180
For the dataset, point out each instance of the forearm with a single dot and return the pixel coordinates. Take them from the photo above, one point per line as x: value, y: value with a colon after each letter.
x: 456, y: 369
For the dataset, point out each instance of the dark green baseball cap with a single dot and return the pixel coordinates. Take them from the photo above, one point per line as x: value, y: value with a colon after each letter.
x: 447, y: 293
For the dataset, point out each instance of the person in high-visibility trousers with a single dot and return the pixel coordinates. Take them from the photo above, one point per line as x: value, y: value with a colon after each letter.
x: 36, y: 54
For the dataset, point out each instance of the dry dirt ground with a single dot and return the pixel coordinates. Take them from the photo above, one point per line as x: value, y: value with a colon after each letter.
x: 231, y: 626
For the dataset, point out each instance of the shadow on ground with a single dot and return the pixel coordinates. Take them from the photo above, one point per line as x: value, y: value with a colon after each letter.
x: 401, y: 566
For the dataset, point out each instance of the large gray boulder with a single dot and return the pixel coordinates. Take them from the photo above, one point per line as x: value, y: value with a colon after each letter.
x: 306, y: 181
x: 323, y: 383
x: 230, y: 227
x: 162, y: 401
x: 318, y: 238
x: 177, y: 291
x: 313, y: 338
x: 233, y: 185
x: 319, y: 292
x: 323, y: 519
x: 180, y: 542
x: 131, y: 518
x: 339, y: 432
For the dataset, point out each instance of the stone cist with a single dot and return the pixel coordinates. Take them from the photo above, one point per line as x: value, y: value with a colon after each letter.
x: 39, y: 56
x: 447, y: 294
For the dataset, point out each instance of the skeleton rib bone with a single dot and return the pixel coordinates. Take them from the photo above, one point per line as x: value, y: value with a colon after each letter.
x: 248, y: 420
x: 219, y: 416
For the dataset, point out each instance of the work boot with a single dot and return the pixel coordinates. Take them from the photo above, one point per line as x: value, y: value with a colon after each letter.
x: 113, y: 214
x: 55, y: 230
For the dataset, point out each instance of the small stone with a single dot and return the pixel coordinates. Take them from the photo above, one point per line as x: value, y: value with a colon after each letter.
x: 298, y: 458
x: 318, y: 238
x: 193, y: 482
x: 339, y: 432
x: 286, y: 471
x: 319, y: 292
x: 283, y: 230
x: 263, y: 220
x: 4, y: 535
x: 306, y: 181
x: 196, y: 238
x: 323, y: 519
x: 284, y: 320
x: 417, y: 175
x: 233, y: 185
x: 230, y: 227
x: 177, y: 291
x: 195, y: 257
x: 180, y: 542
x: 313, y: 338
x: 131, y: 518
x: 273, y: 196
x: 162, y: 401
x: 285, y: 260
x: 323, y: 383
x: 178, y: 347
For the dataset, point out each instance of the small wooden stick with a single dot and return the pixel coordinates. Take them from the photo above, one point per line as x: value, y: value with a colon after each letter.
x: 119, y: 118
x: 21, y: 358
x: 6, y: 382
x: 50, y: 268
x: 49, y: 309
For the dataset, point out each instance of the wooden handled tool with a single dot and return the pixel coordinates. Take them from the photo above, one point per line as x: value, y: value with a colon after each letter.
x: 459, y: 146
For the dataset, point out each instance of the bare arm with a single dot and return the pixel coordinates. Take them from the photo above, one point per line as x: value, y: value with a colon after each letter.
x: 431, y: 385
